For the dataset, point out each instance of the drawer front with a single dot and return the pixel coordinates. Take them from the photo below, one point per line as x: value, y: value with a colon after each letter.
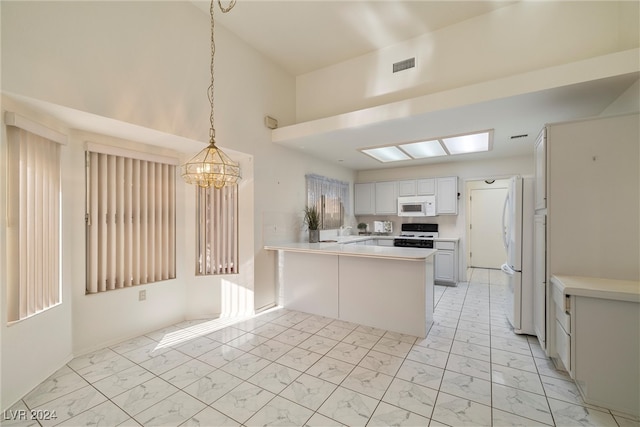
x: 560, y: 313
x: 563, y: 346
x: 448, y: 246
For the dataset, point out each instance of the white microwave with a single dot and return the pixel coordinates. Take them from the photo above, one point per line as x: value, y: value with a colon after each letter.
x: 417, y: 206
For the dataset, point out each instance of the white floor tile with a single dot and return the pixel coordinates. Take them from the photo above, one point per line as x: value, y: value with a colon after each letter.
x: 285, y: 367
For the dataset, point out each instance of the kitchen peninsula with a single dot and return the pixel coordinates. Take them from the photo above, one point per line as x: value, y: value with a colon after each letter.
x: 379, y: 286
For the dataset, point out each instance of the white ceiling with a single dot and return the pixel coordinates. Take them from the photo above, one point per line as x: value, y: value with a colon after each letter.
x: 328, y: 32
x: 518, y: 115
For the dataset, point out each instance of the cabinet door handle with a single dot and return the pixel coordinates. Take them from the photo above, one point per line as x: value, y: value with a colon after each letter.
x: 567, y: 304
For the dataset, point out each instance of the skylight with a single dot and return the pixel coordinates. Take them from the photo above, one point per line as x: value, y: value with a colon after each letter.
x: 444, y: 146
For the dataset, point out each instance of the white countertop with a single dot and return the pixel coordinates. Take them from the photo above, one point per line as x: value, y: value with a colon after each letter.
x: 369, y: 251
x: 595, y: 287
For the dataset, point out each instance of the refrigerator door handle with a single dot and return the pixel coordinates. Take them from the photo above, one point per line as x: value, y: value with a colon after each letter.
x: 506, y: 268
x: 504, y: 225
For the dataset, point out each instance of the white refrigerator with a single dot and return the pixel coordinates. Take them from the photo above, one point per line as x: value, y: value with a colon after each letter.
x: 517, y: 222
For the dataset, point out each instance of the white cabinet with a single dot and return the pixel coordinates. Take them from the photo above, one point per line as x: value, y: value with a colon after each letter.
x: 381, y: 198
x: 364, y: 198
x: 417, y: 187
x: 562, y: 328
x: 386, y: 198
x: 426, y: 187
x: 541, y: 171
x: 446, y: 264
x: 376, y: 198
x: 384, y: 242
x: 447, y: 195
x: 540, y: 278
x: 407, y: 188
x: 596, y: 335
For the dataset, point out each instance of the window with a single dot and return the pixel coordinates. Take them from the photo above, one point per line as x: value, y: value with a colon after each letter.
x: 33, y: 218
x: 330, y: 197
x: 217, y: 230
x: 131, y: 214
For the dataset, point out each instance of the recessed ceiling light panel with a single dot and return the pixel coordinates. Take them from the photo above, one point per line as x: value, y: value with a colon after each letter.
x: 423, y: 149
x: 467, y: 143
x: 386, y: 154
x: 470, y: 143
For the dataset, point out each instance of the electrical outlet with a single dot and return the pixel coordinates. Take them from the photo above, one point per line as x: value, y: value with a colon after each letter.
x: 142, y: 295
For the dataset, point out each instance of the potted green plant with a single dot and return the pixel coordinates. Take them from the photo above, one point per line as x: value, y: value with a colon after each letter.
x: 362, y: 227
x: 312, y: 220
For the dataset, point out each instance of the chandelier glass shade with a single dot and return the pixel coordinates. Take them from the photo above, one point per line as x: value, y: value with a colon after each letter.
x: 211, y: 167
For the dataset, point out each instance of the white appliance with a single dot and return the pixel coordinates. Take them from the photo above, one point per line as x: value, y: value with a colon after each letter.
x: 417, y: 206
x: 517, y: 221
x: 417, y: 236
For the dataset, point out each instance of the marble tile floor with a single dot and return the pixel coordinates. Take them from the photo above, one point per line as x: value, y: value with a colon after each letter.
x: 290, y: 368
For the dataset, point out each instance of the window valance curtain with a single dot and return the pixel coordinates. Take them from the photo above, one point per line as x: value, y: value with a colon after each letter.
x: 330, y: 197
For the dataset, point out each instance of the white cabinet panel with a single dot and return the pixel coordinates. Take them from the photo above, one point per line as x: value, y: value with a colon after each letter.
x: 563, y: 346
x: 541, y: 171
x: 446, y: 262
x: 386, y: 198
x: 606, y: 342
x: 384, y: 242
x: 407, y: 188
x: 540, y: 279
x: 447, y: 195
x: 364, y: 198
x: 426, y: 187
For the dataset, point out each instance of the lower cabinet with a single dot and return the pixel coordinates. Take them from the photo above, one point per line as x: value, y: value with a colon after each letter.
x: 597, y: 339
x: 446, y: 263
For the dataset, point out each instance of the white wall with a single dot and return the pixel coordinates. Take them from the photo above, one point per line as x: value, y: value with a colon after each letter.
x: 627, y: 102
x: 451, y: 226
x: 511, y: 40
x: 146, y: 64
x: 41, y: 343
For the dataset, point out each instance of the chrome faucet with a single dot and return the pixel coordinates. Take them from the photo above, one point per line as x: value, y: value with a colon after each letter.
x: 345, y: 230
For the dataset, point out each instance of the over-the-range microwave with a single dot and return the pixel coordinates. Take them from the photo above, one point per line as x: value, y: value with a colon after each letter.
x: 417, y: 206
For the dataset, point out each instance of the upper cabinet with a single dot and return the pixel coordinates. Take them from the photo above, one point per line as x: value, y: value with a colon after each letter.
x: 447, y: 195
x: 426, y: 187
x: 386, y: 198
x: 407, y: 188
x: 381, y: 198
x: 365, y: 198
x: 417, y: 187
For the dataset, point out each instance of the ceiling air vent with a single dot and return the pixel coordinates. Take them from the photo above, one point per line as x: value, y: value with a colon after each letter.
x: 404, y: 65
x: 524, y: 135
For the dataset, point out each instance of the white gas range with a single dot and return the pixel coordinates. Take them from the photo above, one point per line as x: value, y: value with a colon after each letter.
x: 418, y: 235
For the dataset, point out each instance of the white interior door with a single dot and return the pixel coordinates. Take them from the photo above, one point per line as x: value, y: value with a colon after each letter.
x: 485, y: 227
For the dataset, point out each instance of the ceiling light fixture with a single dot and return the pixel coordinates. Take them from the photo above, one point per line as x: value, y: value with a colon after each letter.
x: 386, y: 154
x: 421, y: 150
x: 444, y: 146
x: 211, y: 166
x: 467, y: 143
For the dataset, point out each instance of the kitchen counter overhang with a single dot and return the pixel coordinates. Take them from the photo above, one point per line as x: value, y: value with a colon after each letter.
x: 339, y: 248
x: 382, y: 287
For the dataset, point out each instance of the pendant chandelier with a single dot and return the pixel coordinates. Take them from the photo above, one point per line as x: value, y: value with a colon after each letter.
x: 211, y: 166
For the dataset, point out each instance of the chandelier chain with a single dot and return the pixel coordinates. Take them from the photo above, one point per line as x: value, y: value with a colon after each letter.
x: 232, y: 3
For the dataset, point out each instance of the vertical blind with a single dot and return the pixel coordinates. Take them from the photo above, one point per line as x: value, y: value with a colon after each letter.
x: 33, y: 223
x: 217, y: 230
x: 330, y: 197
x: 130, y: 221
